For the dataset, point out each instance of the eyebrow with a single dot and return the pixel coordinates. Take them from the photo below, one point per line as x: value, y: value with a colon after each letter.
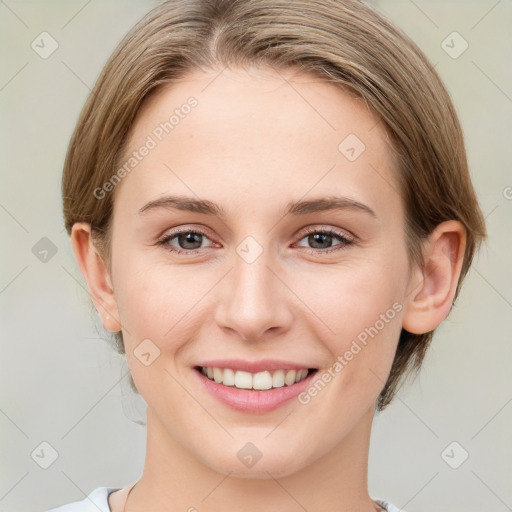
x: 206, y: 207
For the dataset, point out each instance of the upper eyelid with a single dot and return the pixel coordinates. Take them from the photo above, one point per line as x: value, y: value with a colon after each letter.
x: 177, y: 231
x: 336, y: 231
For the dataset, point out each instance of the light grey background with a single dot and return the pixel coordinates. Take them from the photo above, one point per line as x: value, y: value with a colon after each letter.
x: 62, y: 384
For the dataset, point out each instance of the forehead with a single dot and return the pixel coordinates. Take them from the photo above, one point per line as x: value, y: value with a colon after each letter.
x: 253, y: 130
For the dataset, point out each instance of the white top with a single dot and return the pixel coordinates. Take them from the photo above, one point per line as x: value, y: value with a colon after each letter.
x: 97, y: 501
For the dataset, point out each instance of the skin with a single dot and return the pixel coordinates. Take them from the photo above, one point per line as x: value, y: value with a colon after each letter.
x: 258, y: 139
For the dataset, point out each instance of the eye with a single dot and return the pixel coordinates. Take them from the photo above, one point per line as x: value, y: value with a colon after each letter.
x: 190, y: 241
x: 321, y: 239
x: 187, y: 240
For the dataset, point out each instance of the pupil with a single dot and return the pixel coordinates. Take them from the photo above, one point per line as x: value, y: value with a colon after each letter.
x: 190, y: 238
x: 318, y: 238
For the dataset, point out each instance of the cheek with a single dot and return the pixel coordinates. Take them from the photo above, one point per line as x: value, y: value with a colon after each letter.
x: 163, y: 302
x: 160, y: 302
x: 362, y: 306
x: 353, y: 297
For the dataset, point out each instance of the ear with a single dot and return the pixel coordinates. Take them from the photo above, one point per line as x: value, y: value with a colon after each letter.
x: 432, y: 288
x: 96, y: 274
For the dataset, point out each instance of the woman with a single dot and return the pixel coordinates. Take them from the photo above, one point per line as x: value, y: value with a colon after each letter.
x: 271, y: 206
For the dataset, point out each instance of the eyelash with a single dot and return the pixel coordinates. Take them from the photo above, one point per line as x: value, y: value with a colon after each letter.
x: 345, y: 241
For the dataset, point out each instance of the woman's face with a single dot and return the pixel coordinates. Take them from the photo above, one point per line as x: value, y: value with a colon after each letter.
x: 266, y: 274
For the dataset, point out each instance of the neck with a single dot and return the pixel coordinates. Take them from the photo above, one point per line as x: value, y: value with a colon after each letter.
x: 175, y: 480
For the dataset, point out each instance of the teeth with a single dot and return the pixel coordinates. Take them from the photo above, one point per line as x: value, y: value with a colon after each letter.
x: 262, y: 380
x: 243, y: 380
x: 217, y: 375
x: 278, y: 379
x: 290, y: 377
x: 258, y: 381
x: 229, y: 377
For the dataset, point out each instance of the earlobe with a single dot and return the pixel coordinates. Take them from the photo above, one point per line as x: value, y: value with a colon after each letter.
x: 96, y: 274
x: 432, y: 288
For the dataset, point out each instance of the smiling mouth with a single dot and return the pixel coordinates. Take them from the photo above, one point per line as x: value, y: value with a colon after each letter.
x: 259, y: 381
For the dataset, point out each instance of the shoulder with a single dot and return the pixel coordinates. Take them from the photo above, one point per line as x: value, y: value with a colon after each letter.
x: 96, y: 501
x: 388, y: 506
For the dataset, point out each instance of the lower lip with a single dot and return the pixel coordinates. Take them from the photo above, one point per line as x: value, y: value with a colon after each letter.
x: 254, y: 401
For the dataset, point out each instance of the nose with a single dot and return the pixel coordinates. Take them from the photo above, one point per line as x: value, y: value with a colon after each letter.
x: 254, y: 301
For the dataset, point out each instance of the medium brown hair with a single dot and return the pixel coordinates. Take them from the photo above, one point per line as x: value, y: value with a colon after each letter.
x: 345, y: 42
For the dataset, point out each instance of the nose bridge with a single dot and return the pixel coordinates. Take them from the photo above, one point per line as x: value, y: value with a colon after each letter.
x: 253, y: 300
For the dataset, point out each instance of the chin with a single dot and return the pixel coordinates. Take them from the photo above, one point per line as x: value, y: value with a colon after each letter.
x: 277, y: 465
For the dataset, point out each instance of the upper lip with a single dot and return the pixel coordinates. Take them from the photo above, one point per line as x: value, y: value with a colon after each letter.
x: 254, y: 366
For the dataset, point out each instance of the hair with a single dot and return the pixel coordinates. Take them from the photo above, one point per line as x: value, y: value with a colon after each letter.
x: 345, y: 42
